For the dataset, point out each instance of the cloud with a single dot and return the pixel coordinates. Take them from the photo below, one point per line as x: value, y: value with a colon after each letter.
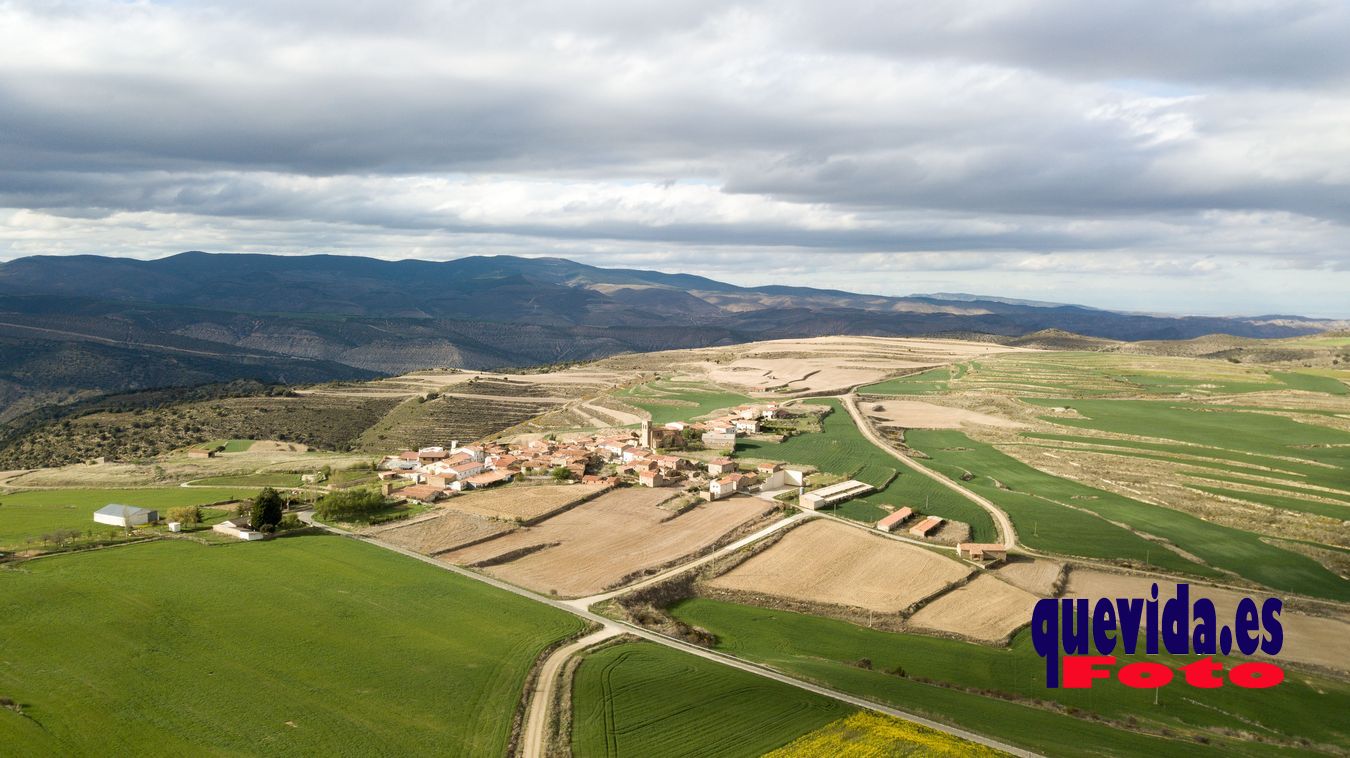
x: 1061, y: 139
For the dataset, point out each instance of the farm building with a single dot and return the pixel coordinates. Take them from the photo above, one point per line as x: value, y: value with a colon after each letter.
x: 782, y: 477
x: 423, y: 493
x: 116, y: 514
x: 719, y: 466
x: 980, y: 551
x: 652, y: 479
x: 893, y: 521
x: 747, y: 425
x: 835, y: 494
x: 730, y: 485
x: 238, y: 528
x: 925, y: 528
x: 201, y: 452
x: 467, y: 469
x: 488, y: 479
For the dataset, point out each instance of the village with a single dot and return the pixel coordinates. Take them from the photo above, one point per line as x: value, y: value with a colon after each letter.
x: 693, y: 457
x: 649, y: 457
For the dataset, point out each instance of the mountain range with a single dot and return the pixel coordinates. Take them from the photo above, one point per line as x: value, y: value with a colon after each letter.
x: 75, y: 325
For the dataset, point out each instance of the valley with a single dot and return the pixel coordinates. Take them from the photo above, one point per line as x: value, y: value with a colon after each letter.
x: 1095, y: 470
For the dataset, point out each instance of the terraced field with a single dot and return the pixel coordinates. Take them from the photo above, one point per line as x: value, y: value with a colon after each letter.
x: 417, y: 423
x: 841, y: 449
x: 996, y: 691
x: 310, y: 645
x: 667, y: 400
x: 641, y: 699
x: 1063, y: 516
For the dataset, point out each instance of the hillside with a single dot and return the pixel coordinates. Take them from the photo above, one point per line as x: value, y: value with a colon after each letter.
x: 71, y: 326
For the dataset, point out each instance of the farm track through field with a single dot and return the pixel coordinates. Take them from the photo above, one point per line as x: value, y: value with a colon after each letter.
x: 1007, y: 535
x: 711, y: 655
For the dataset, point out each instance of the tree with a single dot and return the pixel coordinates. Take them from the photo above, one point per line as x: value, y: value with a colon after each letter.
x: 349, y: 505
x: 266, y: 510
x: 189, y: 514
x: 561, y: 473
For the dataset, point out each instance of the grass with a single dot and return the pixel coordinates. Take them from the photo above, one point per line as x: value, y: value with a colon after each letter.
x: 310, y: 645
x: 826, y: 650
x: 668, y: 401
x: 251, y: 480
x: 932, y: 381
x: 641, y: 699
x: 1038, y: 504
x: 1264, y: 465
x: 1261, y: 434
x: 1312, y: 382
x: 1298, y: 505
x: 33, y: 513
x: 866, y: 734
x: 842, y: 449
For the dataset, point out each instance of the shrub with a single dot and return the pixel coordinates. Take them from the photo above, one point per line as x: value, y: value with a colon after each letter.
x: 188, y: 514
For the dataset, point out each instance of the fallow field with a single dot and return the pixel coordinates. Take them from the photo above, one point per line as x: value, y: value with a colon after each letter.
x: 828, y: 563
x: 589, y: 548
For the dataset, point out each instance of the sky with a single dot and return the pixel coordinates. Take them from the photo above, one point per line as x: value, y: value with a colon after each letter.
x: 1159, y: 156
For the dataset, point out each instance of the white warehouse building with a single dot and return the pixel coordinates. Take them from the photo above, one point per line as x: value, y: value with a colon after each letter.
x: 116, y: 514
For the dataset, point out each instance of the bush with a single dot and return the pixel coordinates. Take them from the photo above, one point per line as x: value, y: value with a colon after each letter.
x: 188, y: 514
x: 288, y: 522
x: 561, y: 474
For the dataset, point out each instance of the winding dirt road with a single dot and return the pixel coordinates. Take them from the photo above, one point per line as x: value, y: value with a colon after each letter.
x: 661, y: 639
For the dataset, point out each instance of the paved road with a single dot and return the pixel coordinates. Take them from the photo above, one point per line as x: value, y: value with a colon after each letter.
x: 1007, y: 534
x: 661, y: 639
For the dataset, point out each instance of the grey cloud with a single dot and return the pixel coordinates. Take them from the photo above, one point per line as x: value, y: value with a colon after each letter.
x: 1125, y: 129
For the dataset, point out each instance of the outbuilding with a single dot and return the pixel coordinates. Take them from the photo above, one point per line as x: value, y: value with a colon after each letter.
x: 897, y: 517
x: 116, y: 514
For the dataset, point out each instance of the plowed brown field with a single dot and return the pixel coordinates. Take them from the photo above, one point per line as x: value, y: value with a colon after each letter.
x: 826, y: 562
x: 592, y: 546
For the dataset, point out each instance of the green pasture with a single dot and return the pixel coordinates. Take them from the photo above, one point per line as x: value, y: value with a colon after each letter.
x: 32, y: 513
x: 842, y: 449
x: 642, y: 699
x: 305, y: 645
x: 1040, y: 519
x: 969, y: 685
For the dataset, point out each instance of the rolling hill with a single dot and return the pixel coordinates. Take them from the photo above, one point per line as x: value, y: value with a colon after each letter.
x: 118, y: 324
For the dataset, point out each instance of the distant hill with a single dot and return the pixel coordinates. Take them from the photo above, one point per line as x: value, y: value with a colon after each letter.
x: 70, y: 325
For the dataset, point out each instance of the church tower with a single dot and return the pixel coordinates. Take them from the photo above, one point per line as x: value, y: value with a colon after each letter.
x: 645, y: 439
